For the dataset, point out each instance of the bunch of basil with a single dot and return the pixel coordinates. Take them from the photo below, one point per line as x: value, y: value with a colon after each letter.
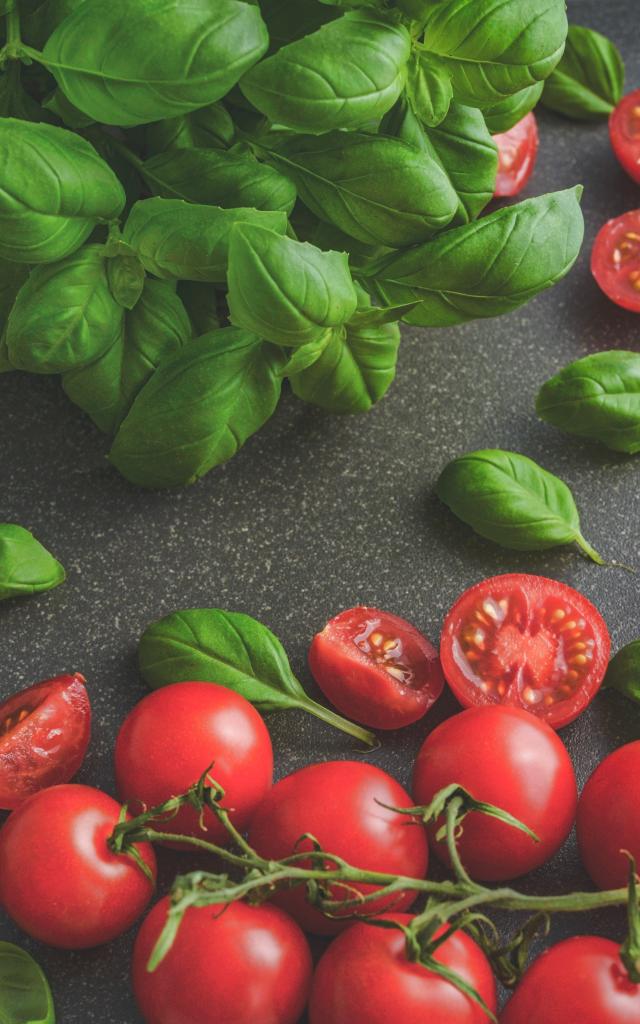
x: 314, y: 170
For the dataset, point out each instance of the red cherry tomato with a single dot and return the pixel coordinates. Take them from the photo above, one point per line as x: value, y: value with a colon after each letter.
x: 59, y: 880
x: 608, y: 819
x: 337, y: 803
x: 508, y: 758
x: 246, y: 965
x: 173, y: 735
x: 578, y: 981
x: 624, y: 131
x: 44, y: 735
x: 517, y: 153
x: 615, y: 260
x: 376, y: 668
x: 527, y: 642
x: 365, y: 978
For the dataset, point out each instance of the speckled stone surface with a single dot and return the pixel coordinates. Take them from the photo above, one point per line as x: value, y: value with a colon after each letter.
x: 319, y: 513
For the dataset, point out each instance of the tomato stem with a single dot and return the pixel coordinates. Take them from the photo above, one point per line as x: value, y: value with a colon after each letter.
x: 338, y: 722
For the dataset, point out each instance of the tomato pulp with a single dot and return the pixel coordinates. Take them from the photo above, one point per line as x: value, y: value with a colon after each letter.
x: 624, y: 132
x: 615, y: 260
x: 608, y: 819
x: 517, y: 153
x: 527, y: 642
x: 376, y: 668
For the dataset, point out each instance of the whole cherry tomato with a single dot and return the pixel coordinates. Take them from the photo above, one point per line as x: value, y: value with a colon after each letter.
x: 517, y: 153
x: 609, y: 819
x: 615, y: 260
x: 624, y: 132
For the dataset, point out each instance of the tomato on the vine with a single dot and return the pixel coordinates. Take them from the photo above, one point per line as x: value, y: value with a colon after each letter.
x: 624, y: 132
x: 376, y: 668
x: 615, y: 260
x: 608, y: 817
x: 517, y: 152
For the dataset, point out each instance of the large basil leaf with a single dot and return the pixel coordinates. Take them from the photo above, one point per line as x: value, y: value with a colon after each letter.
x: 596, y: 397
x: 623, y: 673
x: 345, y: 75
x: 26, y: 567
x: 128, y: 64
x: 463, y: 146
x: 511, y: 500
x: 288, y: 292
x: 209, y: 127
x: 589, y: 80
x: 198, y: 409
x: 502, y: 116
x: 54, y: 189
x: 287, y: 21
x: 429, y: 90
x: 25, y: 996
x: 185, y: 241
x: 488, y: 267
x: 201, y: 303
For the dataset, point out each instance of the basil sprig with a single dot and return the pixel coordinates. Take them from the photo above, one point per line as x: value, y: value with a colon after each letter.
x: 589, y: 80
x: 25, y: 996
x: 26, y: 567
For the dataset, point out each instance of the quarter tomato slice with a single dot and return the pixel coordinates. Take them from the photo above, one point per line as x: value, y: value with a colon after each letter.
x: 527, y: 642
x: 517, y: 154
x: 624, y: 132
x: 615, y: 260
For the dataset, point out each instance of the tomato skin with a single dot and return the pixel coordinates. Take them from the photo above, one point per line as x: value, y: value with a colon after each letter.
x: 608, y: 819
x: 174, y: 734
x: 517, y: 154
x: 245, y: 965
x: 58, y: 879
x: 615, y: 260
x: 579, y: 981
x: 335, y: 801
x: 44, y: 735
x: 360, y: 685
x: 364, y: 977
x: 624, y: 132
x: 508, y: 758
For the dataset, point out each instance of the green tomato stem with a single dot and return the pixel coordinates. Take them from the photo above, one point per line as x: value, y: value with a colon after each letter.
x: 338, y: 722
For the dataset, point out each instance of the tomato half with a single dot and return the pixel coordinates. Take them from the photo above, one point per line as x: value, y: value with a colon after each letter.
x: 527, y: 642
x: 376, y: 668
x: 608, y: 819
x: 615, y: 260
x: 517, y: 153
x: 340, y: 803
x: 59, y: 880
x: 364, y: 977
x: 240, y: 965
x: 174, y: 734
x: 578, y: 981
x: 624, y: 132
x: 507, y: 758
x: 44, y: 735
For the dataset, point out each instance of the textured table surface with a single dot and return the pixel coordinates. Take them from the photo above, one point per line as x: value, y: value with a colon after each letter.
x: 319, y: 513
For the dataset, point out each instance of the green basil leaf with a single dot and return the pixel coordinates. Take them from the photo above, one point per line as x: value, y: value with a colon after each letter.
x: 288, y: 292
x: 589, y: 80
x: 623, y: 673
x: 42, y: 21
x: 210, y: 127
x: 287, y: 22
x: 345, y: 75
x: 25, y: 996
x: 509, y: 499
x: 54, y: 189
x: 113, y: 61
x: 201, y: 303
x: 502, y: 116
x: 597, y: 397
x: 70, y: 116
x: 486, y: 268
x: 125, y: 273
x: 305, y: 355
x: 198, y: 409
x: 429, y: 90
x: 26, y: 567
x: 185, y: 241
x: 374, y: 316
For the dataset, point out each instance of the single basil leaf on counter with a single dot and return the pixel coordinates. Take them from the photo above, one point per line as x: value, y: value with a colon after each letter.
x: 623, y: 673
x: 210, y: 127
x: 506, y: 113
x: 429, y: 90
x: 511, y: 500
x: 231, y: 649
x: 597, y: 397
x: 25, y: 996
x: 589, y: 80
x: 26, y: 567
x: 125, y: 273
x: 201, y: 303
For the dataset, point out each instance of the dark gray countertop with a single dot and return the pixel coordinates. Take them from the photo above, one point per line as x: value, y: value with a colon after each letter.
x: 319, y: 513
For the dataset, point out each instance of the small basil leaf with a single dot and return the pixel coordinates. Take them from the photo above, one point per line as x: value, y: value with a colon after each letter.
x: 509, y: 499
x: 125, y: 273
x: 210, y: 127
x: 70, y: 116
x: 26, y: 567
x: 502, y: 116
x: 589, y: 80
x: 25, y: 996
x: 429, y: 90
x: 306, y: 355
x: 201, y: 303
x: 596, y: 397
x: 623, y: 673
x: 375, y: 316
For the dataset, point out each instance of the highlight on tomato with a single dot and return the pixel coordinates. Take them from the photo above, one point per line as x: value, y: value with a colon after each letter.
x: 624, y: 132
x: 44, y: 735
x: 517, y: 154
x: 376, y: 668
x: 615, y: 260
x: 608, y: 819
x: 526, y: 642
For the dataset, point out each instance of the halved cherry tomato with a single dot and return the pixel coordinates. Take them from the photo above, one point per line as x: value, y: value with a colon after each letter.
x: 376, y: 668
x: 517, y: 152
x: 527, y: 642
x: 615, y: 260
x: 44, y: 734
x: 624, y: 132
x: 608, y: 819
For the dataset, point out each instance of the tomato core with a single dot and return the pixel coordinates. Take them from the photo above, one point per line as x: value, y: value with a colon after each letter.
x: 385, y: 650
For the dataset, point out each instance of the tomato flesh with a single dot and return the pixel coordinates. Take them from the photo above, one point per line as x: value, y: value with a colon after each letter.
x: 615, y: 260
x: 528, y: 642
x: 44, y: 734
x: 624, y: 132
x: 376, y: 668
x: 608, y: 821
x: 517, y: 153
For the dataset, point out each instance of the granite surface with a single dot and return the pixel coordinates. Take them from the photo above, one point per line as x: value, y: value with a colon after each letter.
x: 319, y: 513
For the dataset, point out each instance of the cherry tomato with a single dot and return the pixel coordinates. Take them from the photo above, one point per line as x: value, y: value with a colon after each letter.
x: 517, y: 153
x: 578, y: 981
x: 365, y: 978
x: 527, y: 642
x: 615, y: 260
x: 245, y: 965
x: 173, y: 735
x: 59, y: 880
x: 624, y: 131
x: 376, y: 668
x: 508, y: 758
x: 340, y: 804
x: 608, y: 819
